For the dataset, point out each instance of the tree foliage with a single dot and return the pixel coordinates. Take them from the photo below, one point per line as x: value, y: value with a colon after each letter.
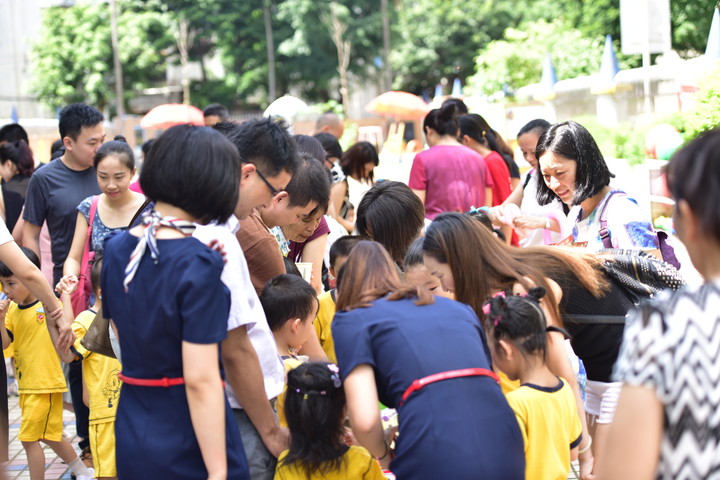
x: 73, y: 58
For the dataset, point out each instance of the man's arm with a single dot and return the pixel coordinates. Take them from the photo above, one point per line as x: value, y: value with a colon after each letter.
x: 242, y: 368
x: 31, y: 237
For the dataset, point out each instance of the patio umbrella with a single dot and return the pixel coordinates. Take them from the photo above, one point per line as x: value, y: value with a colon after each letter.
x: 169, y: 114
x: 286, y: 106
x: 398, y: 105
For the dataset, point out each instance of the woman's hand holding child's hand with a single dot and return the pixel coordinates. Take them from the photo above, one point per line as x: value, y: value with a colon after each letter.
x: 218, y: 247
x: 67, y: 283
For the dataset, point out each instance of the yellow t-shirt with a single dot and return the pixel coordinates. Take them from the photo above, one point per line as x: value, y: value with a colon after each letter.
x: 357, y: 464
x: 99, y: 372
x: 326, y: 312
x: 37, y: 364
x: 289, y: 363
x: 550, y: 427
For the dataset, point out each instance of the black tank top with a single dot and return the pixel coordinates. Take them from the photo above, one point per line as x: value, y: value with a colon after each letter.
x: 597, y: 344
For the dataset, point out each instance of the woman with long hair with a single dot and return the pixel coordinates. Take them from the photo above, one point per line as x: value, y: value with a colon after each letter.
x: 426, y: 357
x: 667, y: 424
x: 449, y: 177
x: 472, y: 263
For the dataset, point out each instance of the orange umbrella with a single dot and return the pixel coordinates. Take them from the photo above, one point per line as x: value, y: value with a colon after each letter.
x: 399, y: 105
x: 169, y: 114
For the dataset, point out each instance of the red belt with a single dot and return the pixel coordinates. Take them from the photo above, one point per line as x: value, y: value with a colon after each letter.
x: 152, y: 382
x: 465, y: 372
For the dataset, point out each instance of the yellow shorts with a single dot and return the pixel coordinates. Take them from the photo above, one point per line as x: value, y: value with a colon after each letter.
x: 102, y: 446
x: 42, y: 417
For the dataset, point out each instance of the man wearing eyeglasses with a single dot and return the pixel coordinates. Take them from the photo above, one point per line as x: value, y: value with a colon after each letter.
x: 254, y: 373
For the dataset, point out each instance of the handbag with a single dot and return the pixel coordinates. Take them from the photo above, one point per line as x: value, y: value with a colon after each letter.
x: 97, y: 337
x: 80, y: 298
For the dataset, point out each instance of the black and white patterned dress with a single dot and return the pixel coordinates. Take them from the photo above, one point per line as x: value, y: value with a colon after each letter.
x: 672, y: 345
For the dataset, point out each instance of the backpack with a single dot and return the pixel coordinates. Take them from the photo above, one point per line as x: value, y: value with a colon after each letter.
x: 666, y: 250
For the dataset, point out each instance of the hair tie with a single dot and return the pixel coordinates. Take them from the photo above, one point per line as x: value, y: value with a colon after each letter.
x: 335, y: 377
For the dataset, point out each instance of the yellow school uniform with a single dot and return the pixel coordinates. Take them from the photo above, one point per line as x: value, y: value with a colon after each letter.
x: 100, y: 374
x: 550, y: 427
x: 40, y: 378
x: 289, y: 363
x: 326, y: 312
x: 357, y: 463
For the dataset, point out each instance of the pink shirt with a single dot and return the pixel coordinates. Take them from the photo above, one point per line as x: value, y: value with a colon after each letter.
x: 454, y: 178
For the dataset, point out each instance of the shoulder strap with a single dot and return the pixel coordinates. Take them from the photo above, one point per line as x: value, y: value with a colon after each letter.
x: 604, y: 232
x: 93, y: 209
x: 140, y: 210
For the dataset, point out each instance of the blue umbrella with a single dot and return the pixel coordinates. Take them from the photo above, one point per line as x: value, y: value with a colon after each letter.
x: 14, y: 115
x: 713, y: 44
x: 438, y: 91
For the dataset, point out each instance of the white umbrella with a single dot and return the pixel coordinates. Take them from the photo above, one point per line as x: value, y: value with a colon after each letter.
x: 286, y: 106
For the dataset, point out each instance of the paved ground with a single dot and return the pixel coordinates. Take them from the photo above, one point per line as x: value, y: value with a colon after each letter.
x: 17, y: 468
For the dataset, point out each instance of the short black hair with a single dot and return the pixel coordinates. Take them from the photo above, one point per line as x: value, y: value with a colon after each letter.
x: 310, y: 182
x: 57, y: 149
x: 342, y: 247
x: 75, y: 117
x: 218, y: 110
x: 13, y: 132
x: 460, y: 106
x: 311, y: 145
x: 263, y: 142
x: 119, y: 147
x: 693, y: 175
x: 330, y: 144
x: 286, y: 297
x: 195, y: 169
x: 537, y: 126
x: 146, y: 147
x: 291, y: 267
x: 391, y: 214
x: 5, y: 272
x: 572, y: 141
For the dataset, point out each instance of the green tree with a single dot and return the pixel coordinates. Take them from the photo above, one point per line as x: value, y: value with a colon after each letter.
x: 73, y: 58
x: 440, y: 38
x: 517, y: 59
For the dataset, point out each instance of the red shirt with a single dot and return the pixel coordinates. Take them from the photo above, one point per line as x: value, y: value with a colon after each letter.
x: 500, y: 173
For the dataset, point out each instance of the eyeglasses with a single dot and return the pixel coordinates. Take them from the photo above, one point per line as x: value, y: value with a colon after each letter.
x: 273, y: 190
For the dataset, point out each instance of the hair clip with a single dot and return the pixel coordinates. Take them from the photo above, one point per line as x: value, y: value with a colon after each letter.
x: 486, y: 309
x: 501, y: 294
x: 335, y: 377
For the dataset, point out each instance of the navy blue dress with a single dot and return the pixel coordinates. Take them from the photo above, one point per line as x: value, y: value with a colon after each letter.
x: 460, y: 428
x: 179, y: 299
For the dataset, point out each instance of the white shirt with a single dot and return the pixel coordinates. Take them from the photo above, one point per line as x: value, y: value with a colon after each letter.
x: 5, y: 235
x: 245, y: 309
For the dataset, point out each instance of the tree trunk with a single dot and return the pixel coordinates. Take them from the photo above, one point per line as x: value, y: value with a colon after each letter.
x: 270, y: 45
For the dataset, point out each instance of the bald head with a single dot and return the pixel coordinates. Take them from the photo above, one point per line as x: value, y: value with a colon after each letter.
x: 330, y: 123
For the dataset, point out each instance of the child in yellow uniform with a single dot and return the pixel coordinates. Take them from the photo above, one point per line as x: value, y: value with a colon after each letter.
x: 315, y: 411
x: 290, y: 306
x: 544, y: 404
x: 101, y: 385
x: 40, y: 379
x: 339, y: 252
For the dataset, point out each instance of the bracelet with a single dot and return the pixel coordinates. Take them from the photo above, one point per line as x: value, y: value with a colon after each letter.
x: 586, y: 447
x: 388, y: 451
x: 547, y: 223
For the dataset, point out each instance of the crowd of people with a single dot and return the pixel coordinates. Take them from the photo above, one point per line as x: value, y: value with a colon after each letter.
x: 254, y: 304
